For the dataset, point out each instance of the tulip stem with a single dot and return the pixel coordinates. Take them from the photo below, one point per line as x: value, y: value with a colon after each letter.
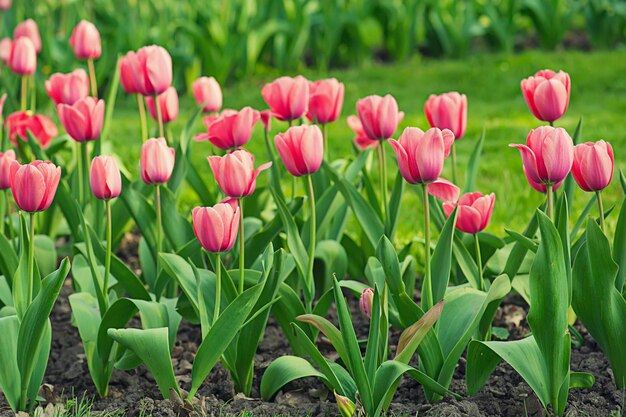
x: 157, y: 203
x: 92, y: 78
x: 157, y: 105
x: 31, y: 257
x: 24, y: 92
x: 601, y: 209
x: 107, y: 262
x: 427, y: 289
x: 142, y: 117
x: 312, y: 240
x: 79, y: 168
x: 550, y: 197
x: 218, y: 288
x: 383, y: 179
x: 479, y: 263
x: 242, y: 245
x: 85, y: 167
x: 453, y: 163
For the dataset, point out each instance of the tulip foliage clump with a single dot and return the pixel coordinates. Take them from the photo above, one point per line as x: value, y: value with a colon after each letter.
x: 294, y: 233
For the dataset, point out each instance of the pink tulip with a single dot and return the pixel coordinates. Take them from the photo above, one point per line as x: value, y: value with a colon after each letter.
x: 474, y: 211
x: 28, y: 29
x: 548, y: 155
x: 593, y: 165
x: 3, y: 99
x: 421, y: 154
x: 5, y: 51
x: 154, y: 70
x: 547, y: 94
x: 5, y: 4
x: 23, y: 60
x: 169, y: 105
x: 235, y: 173
x: 157, y: 161
x: 447, y: 111
x: 539, y: 186
x: 365, y: 302
x: 68, y: 88
x: 34, y: 185
x: 301, y: 148
x: 6, y: 160
x: 444, y: 190
x: 216, y: 227
x: 20, y: 123
x: 105, y: 178
x: 82, y: 120
x: 85, y: 41
x: 325, y: 100
x: 379, y: 116
x: 266, y: 119
x: 208, y: 94
x: 231, y: 129
x: 360, y: 140
x: 129, y: 65
x: 287, y: 97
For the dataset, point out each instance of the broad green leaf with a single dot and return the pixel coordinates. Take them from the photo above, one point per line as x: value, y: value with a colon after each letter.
x: 393, y: 208
x: 9, y: 371
x: 283, y: 370
x: 329, y: 330
x: 412, y: 336
x: 441, y: 261
x: 525, y: 241
x: 142, y: 212
x: 619, y: 247
x: 368, y: 219
x: 472, y: 165
x: 334, y: 263
x: 519, y: 251
x: 8, y: 259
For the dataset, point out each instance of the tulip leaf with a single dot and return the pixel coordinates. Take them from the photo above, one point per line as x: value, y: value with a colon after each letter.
x: 176, y: 227
x: 519, y: 251
x: 569, y: 185
x: 110, y: 101
x: 284, y: 370
x: 141, y: 211
x: 8, y: 259
x: 442, y: 260
x: 368, y: 219
x: 473, y: 163
x: 619, y: 248
x: 525, y: 241
x: 334, y: 262
x: 393, y: 208
x: 9, y: 371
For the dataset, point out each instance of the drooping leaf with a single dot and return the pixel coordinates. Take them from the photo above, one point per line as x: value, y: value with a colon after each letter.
x: 284, y: 370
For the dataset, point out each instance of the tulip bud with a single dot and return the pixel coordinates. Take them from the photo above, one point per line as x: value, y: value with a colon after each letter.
x: 231, y: 129
x: 216, y: 227
x: 208, y: 94
x: 474, y: 211
x: 157, y: 161
x: 325, y: 100
x: 301, y: 148
x: 34, y: 185
x: 85, y: 41
x: 287, y: 97
x: 6, y: 160
x: 68, y: 88
x: 447, y: 111
x: 105, y: 178
x: 5, y: 51
x: 593, y: 165
x: 266, y: 119
x: 547, y: 94
x: 365, y: 302
x: 23, y: 60
x: 169, y: 105
x: 154, y: 70
x: 346, y: 405
x: 235, y: 173
x: 128, y: 66
x: 379, y: 116
x: 82, y: 120
x: 28, y: 29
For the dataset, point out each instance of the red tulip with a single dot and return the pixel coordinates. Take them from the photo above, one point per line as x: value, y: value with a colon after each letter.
x: 474, y: 211
x: 547, y: 94
x: 231, y: 129
x: 28, y: 29
x: 235, y: 173
x: 447, y: 111
x: 34, y: 185
x: 266, y: 119
x: 129, y: 65
x: 548, y: 155
x: 593, y: 165
x: 365, y: 302
x: 216, y: 227
x: 154, y: 70
x: 105, y: 178
x: 421, y: 154
x: 85, y: 41
x: 23, y: 60
x: 287, y: 97
x: 6, y: 160
x: 379, y: 116
x: 169, y: 105
x: 325, y: 100
x: 157, y: 161
x: 301, y: 148
x: 208, y: 94
x: 5, y: 51
x: 21, y: 122
x: 82, y: 120
x: 68, y: 88
x: 444, y: 190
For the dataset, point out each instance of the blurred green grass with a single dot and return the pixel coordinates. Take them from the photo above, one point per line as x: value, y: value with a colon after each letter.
x: 491, y: 83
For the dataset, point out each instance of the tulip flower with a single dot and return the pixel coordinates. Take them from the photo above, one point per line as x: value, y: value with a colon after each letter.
x: 287, y: 97
x: 20, y: 123
x: 379, y: 116
x: 23, y: 61
x: 85, y: 41
x: 547, y: 157
x: 6, y: 160
x: 5, y: 51
x: 208, y: 94
x: 365, y: 302
x: 129, y: 65
x: 444, y: 190
x: 360, y: 140
x: 83, y: 119
x: 168, y: 101
x: 5, y: 4
x: 28, y: 29
x: 231, y: 129
x: 68, y: 88
x: 235, y: 173
x: 325, y: 101
x: 547, y: 94
x: 266, y: 119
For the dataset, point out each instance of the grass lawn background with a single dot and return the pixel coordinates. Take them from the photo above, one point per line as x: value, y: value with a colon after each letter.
x: 495, y: 102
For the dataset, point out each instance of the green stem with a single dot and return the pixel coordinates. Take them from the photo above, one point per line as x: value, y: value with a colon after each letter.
x: 24, y: 93
x: 293, y: 188
x: 453, y: 163
x: 85, y: 156
x: 157, y: 203
x: 427, y: 289
x: 312, y: 240
x: 551, y: 124
x: 601, y: 209
x: 550, y: 198
x: 382, y: 165
x: 142, y: 117
x: 107, y: 262
x: 31, y: 257
x: 92, y: 78
x: 157, y: 105
x: 242, y: 245
x: 218, y: 288
x: 79, y: 168
x: 479, y: 263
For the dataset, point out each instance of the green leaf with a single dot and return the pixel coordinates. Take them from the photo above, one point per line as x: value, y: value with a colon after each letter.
x: 394, y: 206
x: 472, y: 165
x: 110, y: 101
x: 283, y: 370
x: 619, y: 247
x: 334, y: 261
x: 329, y: 330
x: 519, y: 251
x: 442, y: 260
x: 412, y: 336
x: 525, y: 241
x: 569, y: 185
x: 368, y: 219
x: 142, y: 212
x: 9, y: 371
x: 8, y: 259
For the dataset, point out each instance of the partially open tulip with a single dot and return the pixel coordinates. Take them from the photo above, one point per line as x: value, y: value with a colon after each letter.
x: 85, y: 41
x: 365, y: 302
x: 157, y: 161
x: 421, y: 154
x: 169, y: 105
x: 20, y: 123
x: 208, y: 94
x: 28, y: 29
x: 287, y: 97
x: 153, y: 74
x: 474, y: 211
x: 128, y: 66
x: 23, y: 60
x: 34, y: 185
x: 325, y: 100
x: 216, y: 227
x: 548, y: 154
x: 82, y: 120
x: 444, y: 190
x: 68, y: 88
x: 231, y: 129
x: 235, y: 173
x: 360, y: 140
x: 301, y: 148
x: 447, y: 111
x: 593, y: 165
x: 105, y: 177
x: 547, y: 94
x: 6, y: 160
x: 5, y: 51
x: 379, y: 116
